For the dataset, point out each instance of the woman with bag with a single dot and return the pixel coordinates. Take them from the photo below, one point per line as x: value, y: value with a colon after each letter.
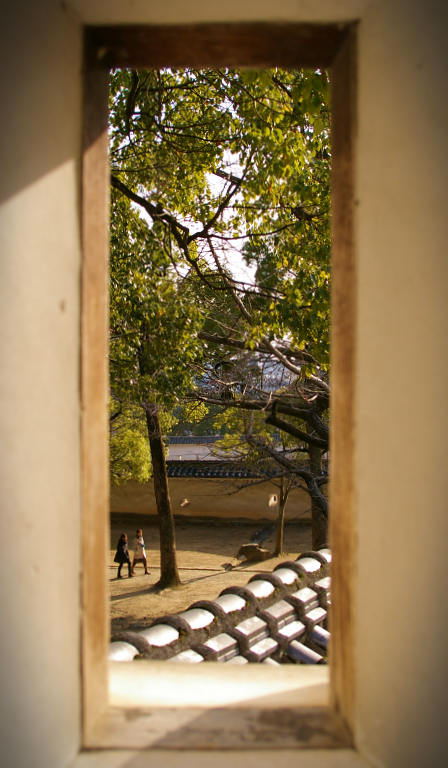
x: 122, y: 555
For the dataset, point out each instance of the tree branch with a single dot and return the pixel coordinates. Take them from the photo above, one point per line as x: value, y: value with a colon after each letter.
x: 262, y: 349
x: 285, y: 426
x: 311, y: 481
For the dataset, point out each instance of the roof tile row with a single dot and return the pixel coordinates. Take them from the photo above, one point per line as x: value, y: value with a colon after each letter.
x: 277, y: 618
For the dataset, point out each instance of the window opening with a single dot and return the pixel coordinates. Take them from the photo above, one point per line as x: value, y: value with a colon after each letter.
x: 214, y: 45
x: 220, y: 274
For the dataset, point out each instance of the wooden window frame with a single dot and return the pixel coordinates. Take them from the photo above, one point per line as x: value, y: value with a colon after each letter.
x: 214, y: 45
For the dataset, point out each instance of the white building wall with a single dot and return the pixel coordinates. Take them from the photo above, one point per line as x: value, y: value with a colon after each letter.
x: 191, y: 452
x: 209, y: 498
x: 40, y: 98
x: 402, y: 414
x: 198, y: 452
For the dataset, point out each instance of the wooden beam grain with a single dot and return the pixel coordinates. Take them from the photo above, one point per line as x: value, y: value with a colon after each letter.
x: 217, y: 45
x: 94, y: 396
x: 343, y: 373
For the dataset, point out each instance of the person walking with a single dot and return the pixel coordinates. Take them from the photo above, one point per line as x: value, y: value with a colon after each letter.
x: 139, y: 551
x: 122, y: 555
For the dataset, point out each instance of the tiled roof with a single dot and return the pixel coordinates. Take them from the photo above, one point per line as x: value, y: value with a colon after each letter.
x: 215, y: 468
x: 193, y: 439
x: 277, y: 618
x: 202, y: 439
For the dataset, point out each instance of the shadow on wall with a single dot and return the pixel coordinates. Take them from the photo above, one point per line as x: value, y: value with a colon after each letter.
x: 217, y: 536
x: 209, y: 498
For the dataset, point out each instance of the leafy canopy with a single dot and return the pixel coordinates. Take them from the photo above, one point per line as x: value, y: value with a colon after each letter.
x: 233, y: 161
x: 211, y: 169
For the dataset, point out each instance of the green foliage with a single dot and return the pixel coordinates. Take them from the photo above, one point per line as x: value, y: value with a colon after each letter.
x: 153, y: 315
x: 175, y: 134
x: 233, y: 424
x: 195, y: 418
x: 129, y: 449
x: 130, y: 457
x: 204, y: 164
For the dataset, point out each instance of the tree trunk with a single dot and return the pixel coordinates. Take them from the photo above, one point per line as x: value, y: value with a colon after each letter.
x: 318, y: 519
x: 169, y: 575
x: 282, y: 499
x: 319, y: 503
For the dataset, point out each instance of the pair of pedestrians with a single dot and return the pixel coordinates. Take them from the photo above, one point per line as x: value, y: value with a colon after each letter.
x: 122, y: 555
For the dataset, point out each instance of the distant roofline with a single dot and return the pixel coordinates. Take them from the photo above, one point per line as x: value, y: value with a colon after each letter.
x: 200, y: 439
x: 193, y: 439
x: 215, y: 469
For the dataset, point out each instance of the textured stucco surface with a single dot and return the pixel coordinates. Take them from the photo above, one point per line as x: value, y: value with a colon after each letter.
x: 40, y: 95
x: 401, y: 485
x: 208, y: 498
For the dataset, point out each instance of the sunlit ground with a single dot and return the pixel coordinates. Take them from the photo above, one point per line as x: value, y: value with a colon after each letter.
x: 206, y: 560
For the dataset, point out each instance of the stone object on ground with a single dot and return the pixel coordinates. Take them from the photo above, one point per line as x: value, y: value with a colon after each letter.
x: 253, y: 553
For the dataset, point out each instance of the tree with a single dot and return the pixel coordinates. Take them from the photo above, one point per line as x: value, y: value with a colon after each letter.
x: 129, y: 450
x: 264, y: 390
x: 246, y: 442
x: 284, y: 491
x: 219, y: 161
x: 152, y: 343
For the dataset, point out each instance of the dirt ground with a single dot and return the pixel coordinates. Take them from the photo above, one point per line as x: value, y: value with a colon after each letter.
x: 206, y: 552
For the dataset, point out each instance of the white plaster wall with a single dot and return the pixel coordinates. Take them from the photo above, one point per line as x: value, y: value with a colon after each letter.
x: 401, y: 634
x: 191, y: 452
x: 209, y: 499
x: 39, y: 385
x: 402, y: 411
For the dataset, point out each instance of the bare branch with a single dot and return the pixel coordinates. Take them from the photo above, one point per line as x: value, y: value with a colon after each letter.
x: 310, y: 480
x: 262, y: 349
x: 227, y: 176
x: 285, y: 426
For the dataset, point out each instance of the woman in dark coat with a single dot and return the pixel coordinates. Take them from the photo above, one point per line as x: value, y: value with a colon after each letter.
x: 122, y: 555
